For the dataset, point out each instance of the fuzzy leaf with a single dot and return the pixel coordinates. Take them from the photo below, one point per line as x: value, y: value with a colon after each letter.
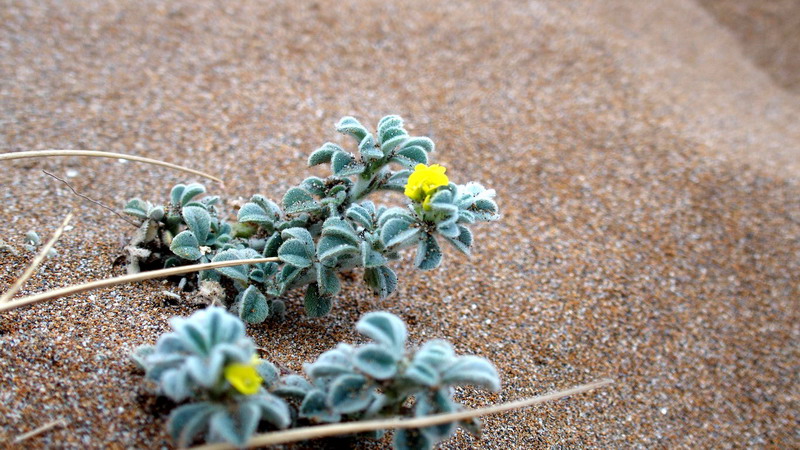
x: 332, y: 247
x: 368, y: 150
x: 187, y: 421
x: 409, y: 157
x: 382, y: 280
x: 239, y: 273
x: 293, y: 386
x: 236, y: 426
x: 298, y: 200
x: 191, y: 191
x: 437, y: 403
x: 360, y: 215
x: 463, y: 242
x: 389, y: 122
x: 316, y: 305
x: 323, y: 154
x: 137, y: 208
x: 252, y: 212
x: 314, y: 406
x: 384, y: 328
x: 344, y: 164
x: 371, y: 258
x: 349, y: 394
x: 472, y: 370
x: 199, y: 221
x: 327, y: 281
x: 295, y: 253
x: 186, y: 246
x: 376, y: 361
x: 352, y: 127
x: 428, y: 254
x: 335, y: 226
x: 396, y: 233
x: 253, y: 307
x: 314, y: 185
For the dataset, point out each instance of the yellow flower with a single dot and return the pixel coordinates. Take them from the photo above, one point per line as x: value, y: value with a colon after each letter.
x: 244, y: 377
x: 424, y: 181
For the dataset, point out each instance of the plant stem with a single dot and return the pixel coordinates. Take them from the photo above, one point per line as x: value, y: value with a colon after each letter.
x: 99, y: 154
x: 99, y: 284
x: 315, y: 432
x: 35, y: 263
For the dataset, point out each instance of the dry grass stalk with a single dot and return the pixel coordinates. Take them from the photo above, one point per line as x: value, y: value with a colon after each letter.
x: 99, y: 154
x: 40, y: 430
x: 315, y: 432
x: 17, y: 285
x: 99, y: 284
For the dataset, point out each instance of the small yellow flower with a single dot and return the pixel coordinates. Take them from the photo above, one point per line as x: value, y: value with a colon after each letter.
x: 424, y: 181
x: 244, y: 377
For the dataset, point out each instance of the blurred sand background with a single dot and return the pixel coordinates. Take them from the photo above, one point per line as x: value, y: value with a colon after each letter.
x: 645, y: 154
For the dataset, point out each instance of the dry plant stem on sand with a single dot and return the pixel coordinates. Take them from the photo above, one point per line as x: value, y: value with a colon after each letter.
x: 40, y: 430
x: 35, y: 263
x: 111, y: 210
x: 99, y: 284
x: 99, y: 154
x: 302, y: 434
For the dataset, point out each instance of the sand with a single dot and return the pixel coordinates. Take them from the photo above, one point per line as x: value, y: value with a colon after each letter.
x: 645, y: 159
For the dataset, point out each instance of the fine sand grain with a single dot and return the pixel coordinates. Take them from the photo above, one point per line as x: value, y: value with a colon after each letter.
x: 645, y: 163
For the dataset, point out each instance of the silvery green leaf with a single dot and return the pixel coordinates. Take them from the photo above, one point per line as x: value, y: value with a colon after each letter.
x: 422, y: 142
x: 293, y: 386
x: 137, y: 208
x: 349, y: 394
x: 302, y: 235
x: 273, y: 210
x: 437, y: 353
x: 437, y: 403
x: 388, y: 146
x: 314, y: 185
x: 316, y: 305
x: 344, y: 165
x: 394, y: 213
x: 429, y: 255
x: 187, y: 421
x: 140, y: 354
x: 368, y: 150
x: 360, y: 215
x: 236, y: 426
x: 299, y: 200
x: 314, y: 406
x: 273, y: 409
x: 253, y: 307
x: 376, y: 361
x: 191, y: 191
x: 409, y: 157
x: 327, y: 281
x: 472, y: 370
x: 448, y: 229
x: 332, y: 247
x: 175, y: 385
x: 396, y: 233
x: 337, y: 227
x: 421, y: 374
x: 156, y: 213
x: 384, y: 328
x: 382, y: 280
x: 323, y: 154
x: 239, y: 273
x: 205, y: 371
x: 176, y: 193
x: 274, y: 242
x: 463, y: 242
x: 352, y: 127
x: 387, y: 122
x: 186, y: 246
x: 268, y: 372
x: 397, y: 182
x: 199, y: 221
x: 252, y: 212
x: 370, y: 257
x: 294, y: 252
